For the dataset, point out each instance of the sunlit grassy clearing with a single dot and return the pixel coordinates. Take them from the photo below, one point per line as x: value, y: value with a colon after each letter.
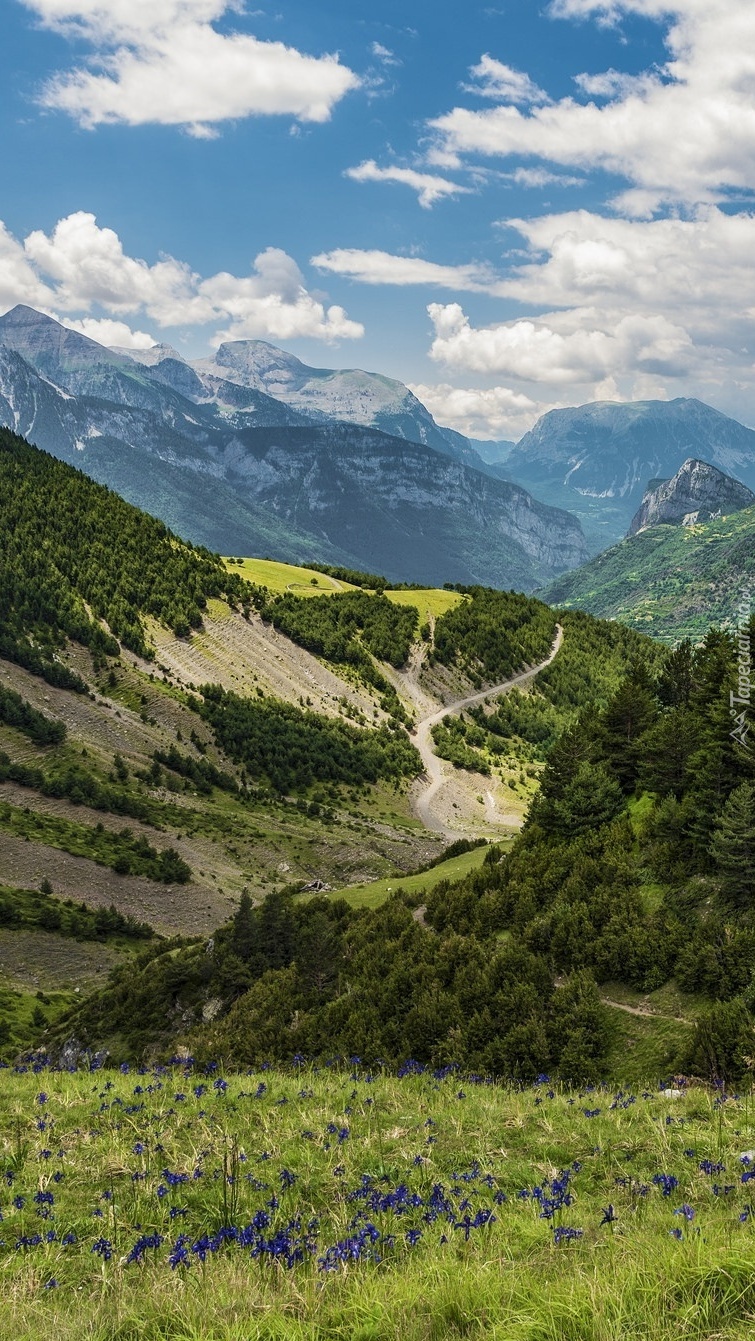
x: 377, y: 891
x: 280, y: 577
x: 431, y: 601
x: 661, y: 1267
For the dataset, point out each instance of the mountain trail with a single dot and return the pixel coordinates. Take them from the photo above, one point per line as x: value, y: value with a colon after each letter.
x: 643, y: 1012
x: 436, y: 772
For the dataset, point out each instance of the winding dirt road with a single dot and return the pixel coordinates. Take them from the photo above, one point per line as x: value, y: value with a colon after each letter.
x: 435, y: 769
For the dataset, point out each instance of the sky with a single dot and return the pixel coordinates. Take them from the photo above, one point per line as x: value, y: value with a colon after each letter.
x: 509, y: 207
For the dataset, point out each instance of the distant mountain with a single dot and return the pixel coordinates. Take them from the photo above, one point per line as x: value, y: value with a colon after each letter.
x: 697, y: 493
x: 596, y: 459
x: 493, y: 452
x: 324, y: 394
x: 258, y: 477
x: 671, y: 581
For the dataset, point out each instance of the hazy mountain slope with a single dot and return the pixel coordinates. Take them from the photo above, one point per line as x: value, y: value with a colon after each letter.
x: 351, y: 394
x: 596, y: 459
x: 331, y: 492
x: 669, y: 581
x: 697, y: 493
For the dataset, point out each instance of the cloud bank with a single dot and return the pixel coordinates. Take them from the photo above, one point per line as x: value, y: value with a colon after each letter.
x: 80, y: 266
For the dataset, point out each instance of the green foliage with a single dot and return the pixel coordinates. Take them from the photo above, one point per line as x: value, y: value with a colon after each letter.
x: 354, y: 576
x: 672, y: 581
x: 16, y: 712
x: 200, y: 772
x: 724, y: 1044
x: 71, y: 546
x: 733, y: 846
x: 40, y: 909
x: 122, y: 852
x: 459, y: 1180
x: 80, y: 786
x: 494, y: 634
x: 588, y: 670
x: 341, y: 628
x: 291, y: 748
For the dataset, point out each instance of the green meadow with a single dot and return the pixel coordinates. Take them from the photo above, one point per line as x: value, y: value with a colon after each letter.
x: 307, y: 1203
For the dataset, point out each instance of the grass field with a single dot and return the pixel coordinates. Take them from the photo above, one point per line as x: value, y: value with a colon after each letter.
x: 322, y: 1203
x: 280, y: 577
x: 431, y: 602
x: 377, y: 891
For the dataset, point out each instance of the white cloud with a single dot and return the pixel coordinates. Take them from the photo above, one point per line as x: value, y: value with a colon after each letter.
x: 502, y: 83
x: 561, y: 349
x: 163, y: 61
x: 697, y: 271
x: 540, y: 177
x: 384, y: 55
x: 19, y: 281
x: 495, y: 412
x: 274, y: 302
x: 429, y: 188
x: 80, y: 266
x: 684, y: 133
x: 382, y: 267
x: 643, y: 302
x: 108, y: 332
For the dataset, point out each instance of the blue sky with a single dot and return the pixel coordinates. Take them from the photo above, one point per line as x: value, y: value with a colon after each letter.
x: 508, y: 207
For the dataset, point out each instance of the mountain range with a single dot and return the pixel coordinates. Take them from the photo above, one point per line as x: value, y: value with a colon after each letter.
x: 596, y: 460
x: 336, y: 467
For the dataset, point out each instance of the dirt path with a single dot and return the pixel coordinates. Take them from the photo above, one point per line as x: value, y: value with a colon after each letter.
x: 436, y: 771
x: 643, y: 1012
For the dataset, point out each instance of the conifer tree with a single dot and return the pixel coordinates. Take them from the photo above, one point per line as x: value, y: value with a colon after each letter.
x: 733, y: 845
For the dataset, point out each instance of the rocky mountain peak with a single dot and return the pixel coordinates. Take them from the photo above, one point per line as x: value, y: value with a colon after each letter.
x: 698, y: 492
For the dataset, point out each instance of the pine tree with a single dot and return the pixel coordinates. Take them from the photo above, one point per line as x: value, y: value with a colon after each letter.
x: 733, y: 846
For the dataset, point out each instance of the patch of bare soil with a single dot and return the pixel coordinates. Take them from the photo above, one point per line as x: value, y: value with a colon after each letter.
x: 34, y: 960
x: 246, y: 655
x: 193, y: 909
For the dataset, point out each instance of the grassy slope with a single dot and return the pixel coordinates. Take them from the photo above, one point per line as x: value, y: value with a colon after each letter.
x: 377, y: 891
x: 281, y: 577
x: 506, y: 1280
x: 670, y: 581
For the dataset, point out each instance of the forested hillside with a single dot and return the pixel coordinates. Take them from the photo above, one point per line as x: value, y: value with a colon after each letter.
x: 75, y: 555
x: 671, y: 581
x: 635, y: 868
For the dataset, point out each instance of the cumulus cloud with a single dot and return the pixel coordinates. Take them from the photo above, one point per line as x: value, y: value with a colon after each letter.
x: 493, y: 79
x: 429, y: 188
x: 382, y: 267
x: 108, y: 332
x: 495, y: 412
x: 697, y: 271
x: 163, y: 61
x: 628, y: 303
x: 684, y: 133
x: 80, y: 266
x: 561, y: 348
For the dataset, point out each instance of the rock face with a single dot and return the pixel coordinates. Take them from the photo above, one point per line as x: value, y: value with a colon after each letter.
x: 322, y: 394
x: 697, y: 493
x: 230, y: 466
